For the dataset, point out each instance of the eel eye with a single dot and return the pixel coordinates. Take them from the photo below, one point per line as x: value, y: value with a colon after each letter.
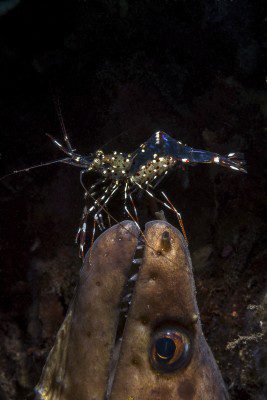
x: 171, y: 349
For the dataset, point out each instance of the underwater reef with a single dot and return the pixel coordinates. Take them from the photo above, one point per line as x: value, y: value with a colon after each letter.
x: 123, y: 70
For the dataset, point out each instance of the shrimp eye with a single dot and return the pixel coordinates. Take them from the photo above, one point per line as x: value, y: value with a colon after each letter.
x: 171, y: 349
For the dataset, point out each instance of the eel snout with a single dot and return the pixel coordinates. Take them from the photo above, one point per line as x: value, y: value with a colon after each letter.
x: 133, y: 330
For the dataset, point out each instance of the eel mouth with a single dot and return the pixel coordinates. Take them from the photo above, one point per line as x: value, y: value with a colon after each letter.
x: 124, y: 309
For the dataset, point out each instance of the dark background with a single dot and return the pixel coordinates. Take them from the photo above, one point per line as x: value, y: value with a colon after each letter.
x: 192, y: 68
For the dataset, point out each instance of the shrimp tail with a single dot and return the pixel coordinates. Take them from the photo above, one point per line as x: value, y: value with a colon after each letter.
x: 234, y: 161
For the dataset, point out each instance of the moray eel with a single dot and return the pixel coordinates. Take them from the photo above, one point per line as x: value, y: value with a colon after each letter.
x: 133, y: 330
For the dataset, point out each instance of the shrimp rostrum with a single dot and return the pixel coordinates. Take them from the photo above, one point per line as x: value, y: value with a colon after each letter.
x: 141, y: 170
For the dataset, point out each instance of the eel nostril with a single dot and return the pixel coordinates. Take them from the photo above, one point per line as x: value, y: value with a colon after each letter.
x: 166, y: 241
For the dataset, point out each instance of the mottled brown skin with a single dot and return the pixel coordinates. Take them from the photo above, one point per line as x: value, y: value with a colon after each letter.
x: 79, y: 364
x: 90, y: 331
x: 165, y: 292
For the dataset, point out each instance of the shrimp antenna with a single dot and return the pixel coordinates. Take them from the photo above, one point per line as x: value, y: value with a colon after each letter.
x: 115, y: 137
x: 58, y: 109
x: 62, y: 124
x: 18, y: 171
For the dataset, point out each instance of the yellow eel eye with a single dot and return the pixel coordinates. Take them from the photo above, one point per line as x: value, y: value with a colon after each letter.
x: 171, y: 349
